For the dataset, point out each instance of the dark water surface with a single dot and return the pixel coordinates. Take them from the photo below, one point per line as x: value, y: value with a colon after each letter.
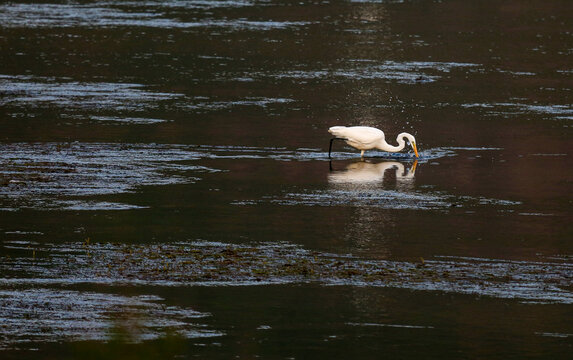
x: 165, y: 179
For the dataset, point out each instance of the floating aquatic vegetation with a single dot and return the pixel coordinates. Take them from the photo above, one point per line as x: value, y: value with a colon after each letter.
x: 214, y: 264
x: 54, y: 315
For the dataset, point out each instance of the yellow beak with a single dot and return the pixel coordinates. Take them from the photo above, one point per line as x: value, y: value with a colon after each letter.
x: 415, y: 149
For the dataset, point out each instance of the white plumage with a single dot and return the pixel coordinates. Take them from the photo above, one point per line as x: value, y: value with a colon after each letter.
x: 366, y: 138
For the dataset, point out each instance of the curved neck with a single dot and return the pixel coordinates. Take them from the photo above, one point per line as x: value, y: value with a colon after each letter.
x: 383, y: 145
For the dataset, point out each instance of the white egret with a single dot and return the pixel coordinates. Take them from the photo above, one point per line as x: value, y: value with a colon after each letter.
x: 366, y: 138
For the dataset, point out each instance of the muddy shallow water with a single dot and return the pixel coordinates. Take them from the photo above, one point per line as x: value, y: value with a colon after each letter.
x: 165, y: 179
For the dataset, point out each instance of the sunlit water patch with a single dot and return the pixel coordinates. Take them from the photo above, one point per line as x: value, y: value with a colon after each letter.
x: 425, y: 154
x: 126, y: 120
x: 316, y: 154
x: 382, y: 180
x: 363, y: 198
x: 216, y: 264
x: 389, y: 325
x: 42, y: 314
x: 24, y: 94
x: 363, y: 195
x: 65, y: 176
x: 151, y: 14
x: 30, y: 92
x: 554, y: 335
x: 187, y: 4
x: 408, y: 72
x: 52, y: 176
x: 554, y: 111
x: 203, y: 104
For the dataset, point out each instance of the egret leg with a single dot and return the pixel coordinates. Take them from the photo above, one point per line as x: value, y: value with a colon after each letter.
x: 330, y: 147
x: 362, y: 154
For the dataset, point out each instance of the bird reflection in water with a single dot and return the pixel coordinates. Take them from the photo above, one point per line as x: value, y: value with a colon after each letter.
x: 369, y: 228
x: 367, y: 174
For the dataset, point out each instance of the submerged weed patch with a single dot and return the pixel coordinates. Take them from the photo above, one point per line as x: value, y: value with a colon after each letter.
x: 212, y: 264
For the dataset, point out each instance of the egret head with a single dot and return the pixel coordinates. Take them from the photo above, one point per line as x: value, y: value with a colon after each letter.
x: 412, y: 141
